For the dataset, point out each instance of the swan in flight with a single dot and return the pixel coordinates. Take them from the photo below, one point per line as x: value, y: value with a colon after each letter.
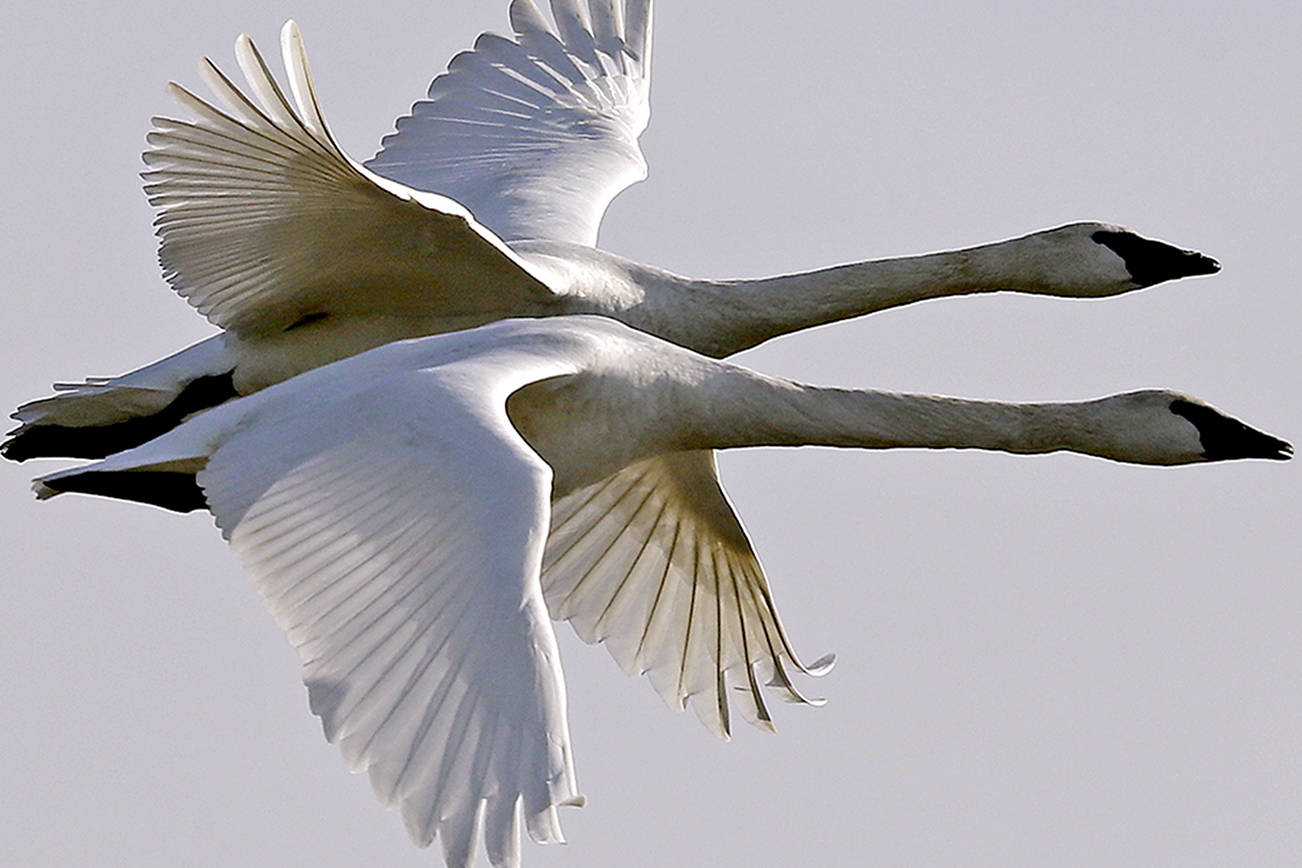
x: 303, y: 256
x: 392, y: 509
x: 484, y: 204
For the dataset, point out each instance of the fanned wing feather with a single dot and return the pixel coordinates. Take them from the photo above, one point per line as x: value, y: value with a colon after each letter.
x: 395, y: 532
x: 653, y: 562
x: 397, y: 525
x: 535, y: 135
x: 264, y: 220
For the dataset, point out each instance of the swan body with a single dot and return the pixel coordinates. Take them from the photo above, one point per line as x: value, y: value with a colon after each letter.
x: 484, y: 205
x: 303, y: 256
x: 392, y: 509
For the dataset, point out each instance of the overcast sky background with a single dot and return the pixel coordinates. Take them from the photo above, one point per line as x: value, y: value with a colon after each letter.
x: 1055, y: 660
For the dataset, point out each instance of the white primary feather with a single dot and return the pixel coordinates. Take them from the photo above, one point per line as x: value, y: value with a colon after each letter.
x: 536, y: 135
x: 254, y: 201
x: 653, y: 562
x: 393, y: 523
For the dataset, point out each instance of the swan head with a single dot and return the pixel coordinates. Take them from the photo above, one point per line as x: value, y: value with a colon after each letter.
x: 1162, y: 427
x: 1095, y: 260
x: 1149, y: 262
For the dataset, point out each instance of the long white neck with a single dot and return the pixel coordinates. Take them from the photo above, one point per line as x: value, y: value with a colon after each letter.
x: 734, y: 407
x: 594, y: 425
x: 719, y: 318
x: 768, y: 307
x: 770, y: 412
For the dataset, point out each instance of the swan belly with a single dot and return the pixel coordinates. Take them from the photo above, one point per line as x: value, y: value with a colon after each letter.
x: 106, y: 415
x: 264, y: 360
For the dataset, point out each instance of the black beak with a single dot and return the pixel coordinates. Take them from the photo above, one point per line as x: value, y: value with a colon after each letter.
x: 1151, y: 262
x: 1225, y: 438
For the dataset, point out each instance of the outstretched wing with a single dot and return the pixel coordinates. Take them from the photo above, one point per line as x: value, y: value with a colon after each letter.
x: 536, y: 134
x: 653, y: 562
x: 396, y: 535
x: 265, y: 221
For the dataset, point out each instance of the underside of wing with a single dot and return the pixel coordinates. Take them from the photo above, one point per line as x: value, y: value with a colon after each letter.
x: 396, y: 536
x: 264, y: 222
x: 653, y: 563
x: 535, y: 134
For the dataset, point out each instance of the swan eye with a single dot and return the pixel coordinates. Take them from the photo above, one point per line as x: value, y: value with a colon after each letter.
x: 1151, y: 262
x: 1224, y: 438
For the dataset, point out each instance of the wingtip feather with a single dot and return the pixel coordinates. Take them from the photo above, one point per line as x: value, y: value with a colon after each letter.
x: 294, y: 57
x: 526, y: 17
x: 821, y: 666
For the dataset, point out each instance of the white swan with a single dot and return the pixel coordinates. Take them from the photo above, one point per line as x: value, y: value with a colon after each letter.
x: 303, y: 256
x: 392, y: 509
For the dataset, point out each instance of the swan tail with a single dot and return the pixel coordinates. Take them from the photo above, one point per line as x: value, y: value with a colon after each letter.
x: 104, y: 415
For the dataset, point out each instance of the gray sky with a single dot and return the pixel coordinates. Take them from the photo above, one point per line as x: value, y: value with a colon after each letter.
x: 1042, y: 661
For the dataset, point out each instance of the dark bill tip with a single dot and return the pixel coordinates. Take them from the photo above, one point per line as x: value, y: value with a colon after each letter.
x: 1151, y: 262
x: 1227, y: 439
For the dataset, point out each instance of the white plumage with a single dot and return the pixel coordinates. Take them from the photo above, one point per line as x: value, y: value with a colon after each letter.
x: 485, y: 203
x: 254, y: 201
x: 392, y: 509
x: 304, y: 256
x: 536, y: 135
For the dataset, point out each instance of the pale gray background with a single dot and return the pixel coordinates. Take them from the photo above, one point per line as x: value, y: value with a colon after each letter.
x: 1042, y: 661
